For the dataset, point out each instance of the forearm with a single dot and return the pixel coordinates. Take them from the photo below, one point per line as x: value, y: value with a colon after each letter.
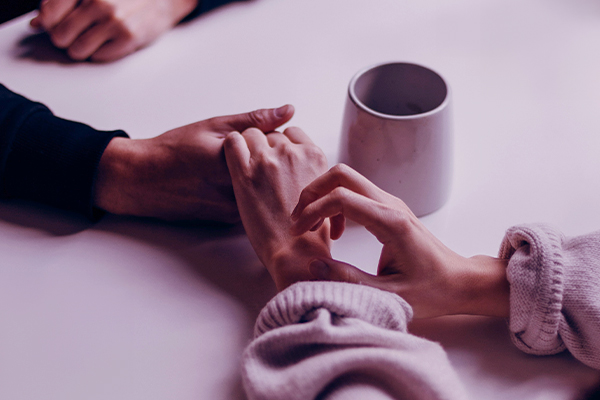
x: 116, y: 186
x: 289, y: 264
x: 48, y: 159
x: 484, y: 289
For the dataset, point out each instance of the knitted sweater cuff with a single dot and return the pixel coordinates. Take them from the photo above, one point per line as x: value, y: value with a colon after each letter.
x: 536, y: 276
x: 343, y: 299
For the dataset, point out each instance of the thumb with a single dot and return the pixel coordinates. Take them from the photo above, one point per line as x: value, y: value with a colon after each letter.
x: 267, y: 120
x: 327, y: 269
x: 35, y: 22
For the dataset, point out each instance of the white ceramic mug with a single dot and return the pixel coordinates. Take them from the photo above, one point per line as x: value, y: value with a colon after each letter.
x: 397, y: 132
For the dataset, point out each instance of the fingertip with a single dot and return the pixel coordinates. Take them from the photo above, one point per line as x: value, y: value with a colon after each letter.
x: 35, y: 22
x: 231, y: 135
x: 231, y: 138
x: 338, y: 225
x: 319, y: 269
x: 284, y: 112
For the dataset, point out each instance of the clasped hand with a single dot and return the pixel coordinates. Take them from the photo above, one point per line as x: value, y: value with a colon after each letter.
x: 414, y: 264
x: 179, y: 175
x: 105, y: 30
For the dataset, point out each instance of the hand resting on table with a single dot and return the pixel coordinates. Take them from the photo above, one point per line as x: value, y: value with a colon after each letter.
x: 414, y: 264
x: 105, y: 30
x: 179, y: 175
x: 268, y: 173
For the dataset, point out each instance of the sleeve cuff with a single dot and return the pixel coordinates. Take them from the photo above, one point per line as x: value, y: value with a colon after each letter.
x: 206, y: 6
x: 536, y: 276
x: 54, y: 161
x: 374, y: 306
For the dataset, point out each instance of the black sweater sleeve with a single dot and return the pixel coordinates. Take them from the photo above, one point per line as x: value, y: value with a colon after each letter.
x: 47, y: 159
x: 207, y: 5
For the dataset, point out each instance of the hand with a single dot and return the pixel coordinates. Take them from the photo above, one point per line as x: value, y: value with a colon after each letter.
x: 105, y: 30
x: 414, y: 264
x: 179, y: 175
x: 268, y: 173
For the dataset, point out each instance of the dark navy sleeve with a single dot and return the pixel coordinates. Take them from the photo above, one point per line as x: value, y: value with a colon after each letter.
x: 207, y: 5
x: 47, y: 159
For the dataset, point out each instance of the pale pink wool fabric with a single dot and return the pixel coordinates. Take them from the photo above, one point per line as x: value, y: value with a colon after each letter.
x: 328, y: 340
x: 331, y: 340
x: 554, y: 291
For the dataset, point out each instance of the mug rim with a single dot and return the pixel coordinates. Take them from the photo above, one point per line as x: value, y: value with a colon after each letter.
x: 369, y: 110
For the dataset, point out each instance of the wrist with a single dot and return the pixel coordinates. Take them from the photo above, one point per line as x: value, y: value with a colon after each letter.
x: 116, y: 177
x: 485, y: 289
x: 289, y: 264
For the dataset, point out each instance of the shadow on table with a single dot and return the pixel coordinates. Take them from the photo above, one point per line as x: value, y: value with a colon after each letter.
x: 483, y: 344
x: 38, y: 47
x: 217, y: 254
x: 32, y: 215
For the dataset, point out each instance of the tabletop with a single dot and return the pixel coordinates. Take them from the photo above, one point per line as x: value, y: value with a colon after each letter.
x: 131, y: 308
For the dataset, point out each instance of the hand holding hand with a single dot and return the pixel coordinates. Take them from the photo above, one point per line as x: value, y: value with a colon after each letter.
x: 414, y: 264
x: 105, y: 30
x: 268, y: 173
x: 179, y: 175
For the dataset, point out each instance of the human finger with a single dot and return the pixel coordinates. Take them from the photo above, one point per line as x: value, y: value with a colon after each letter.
x: 90, y: 41
x: 36, y: 22
x: 276, y: 138
x: 327, y: 269
x: 73, y: 25
x: 339, y: 175
x: 379, y: 219
x: 54, y: 11
x: 237, y: 153
x: 121, y: 45
x: 337, y: 226
x: 267, y: 120
x: 255, y: 139
x: 297, y: 135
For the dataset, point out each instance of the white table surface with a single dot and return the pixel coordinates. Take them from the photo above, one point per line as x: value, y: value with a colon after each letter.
x: 138, y: 309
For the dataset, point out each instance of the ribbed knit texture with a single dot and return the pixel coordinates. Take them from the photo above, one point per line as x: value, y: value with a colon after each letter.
x: 554, y: 291
x: 320, y: 339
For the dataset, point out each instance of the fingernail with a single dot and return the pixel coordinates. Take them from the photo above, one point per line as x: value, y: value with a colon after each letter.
x: 319, y: 269
x: 281, y: 111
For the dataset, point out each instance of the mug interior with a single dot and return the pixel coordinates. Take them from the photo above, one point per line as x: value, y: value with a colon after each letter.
x: 399, y: 89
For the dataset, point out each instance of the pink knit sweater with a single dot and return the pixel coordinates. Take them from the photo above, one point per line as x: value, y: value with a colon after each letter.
x: 328, y: 340
x: 554, y: 291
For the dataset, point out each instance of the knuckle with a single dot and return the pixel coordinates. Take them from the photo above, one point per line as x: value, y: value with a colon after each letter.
x: 341, y: 170
x: 339, y: 196
x: 76, y: 54
x: 107, y: 9
x: 258, y: 117
x: 253, y: 131
x: 293, y: 130
x: 315, y: 154
x: 267, y: 163
x: 59, y: 39
x: 403, y: 222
